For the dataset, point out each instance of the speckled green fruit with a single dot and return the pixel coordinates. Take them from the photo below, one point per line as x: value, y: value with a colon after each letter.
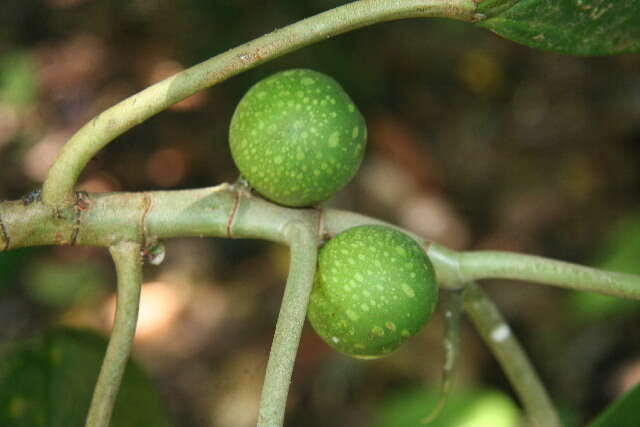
x: 297, y: 137
x: 374, y: 288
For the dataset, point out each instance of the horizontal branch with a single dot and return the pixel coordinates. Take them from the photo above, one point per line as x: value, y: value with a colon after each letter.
x: 104, y: 219
x: 92, y: 137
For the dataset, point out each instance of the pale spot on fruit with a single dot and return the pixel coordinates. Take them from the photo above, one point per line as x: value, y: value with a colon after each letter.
x: 377, y: 330
x: 365, y: 307
x: 390, y: 326
x: 334, y: 139
x: 408, y: 290
x: 335, y: 339
x: 355, y: 132
x: 353, y: 316
x: 405, y: 333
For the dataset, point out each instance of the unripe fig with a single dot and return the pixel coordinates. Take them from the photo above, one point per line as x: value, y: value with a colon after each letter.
x: 374, y: 288
x: 297, y: 137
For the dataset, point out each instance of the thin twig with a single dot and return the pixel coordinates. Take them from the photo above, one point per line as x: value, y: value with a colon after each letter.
x: 505, y: 347
x: 452, y: 303
x: 478, y: 265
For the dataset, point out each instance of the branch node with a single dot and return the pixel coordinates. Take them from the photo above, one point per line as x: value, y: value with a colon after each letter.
x: 147, y: 203
x: 82, y: 203
x: 34, y: 196
x: 234, y: 211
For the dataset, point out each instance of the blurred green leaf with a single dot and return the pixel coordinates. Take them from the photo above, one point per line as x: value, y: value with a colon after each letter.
x: 12, y: 262
x: 18, y: 78
x: 482, y: 408
x: 578, y: 27
x: 622, y: 247
x: 47, y: 381
x: 624, y: 412
x: 61, y: 285
x: 621, y: 253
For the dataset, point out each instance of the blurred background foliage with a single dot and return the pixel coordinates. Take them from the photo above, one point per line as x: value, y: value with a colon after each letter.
x: 475, y: 142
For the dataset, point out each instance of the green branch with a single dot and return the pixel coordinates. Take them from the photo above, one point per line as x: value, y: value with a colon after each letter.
x: 126, y: 257
x: 95, y: 135
x: 506, y: 265
x: 107, y: 218
x: 505, y: 346
x: 293, y: 311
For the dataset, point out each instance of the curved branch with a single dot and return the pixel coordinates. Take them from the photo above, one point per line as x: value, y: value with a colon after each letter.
x: 126, y: 257
x: 290, y: 322
x: 505, y: 346
x: 505, y: 265
x: 92, y: 137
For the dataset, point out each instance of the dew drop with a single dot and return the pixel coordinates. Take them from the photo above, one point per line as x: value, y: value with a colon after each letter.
x: 156, y: 253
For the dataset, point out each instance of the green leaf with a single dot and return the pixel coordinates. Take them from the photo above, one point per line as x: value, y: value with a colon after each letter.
x: 620, y: 252
x: 465, y: 408
x: 621, y: 413
x: 47, y: 381
x: 61, y: 285
x: 577, y: 27
x: 18, y: 78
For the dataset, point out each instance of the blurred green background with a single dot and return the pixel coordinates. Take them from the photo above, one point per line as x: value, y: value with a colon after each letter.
x: 475, y: 142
